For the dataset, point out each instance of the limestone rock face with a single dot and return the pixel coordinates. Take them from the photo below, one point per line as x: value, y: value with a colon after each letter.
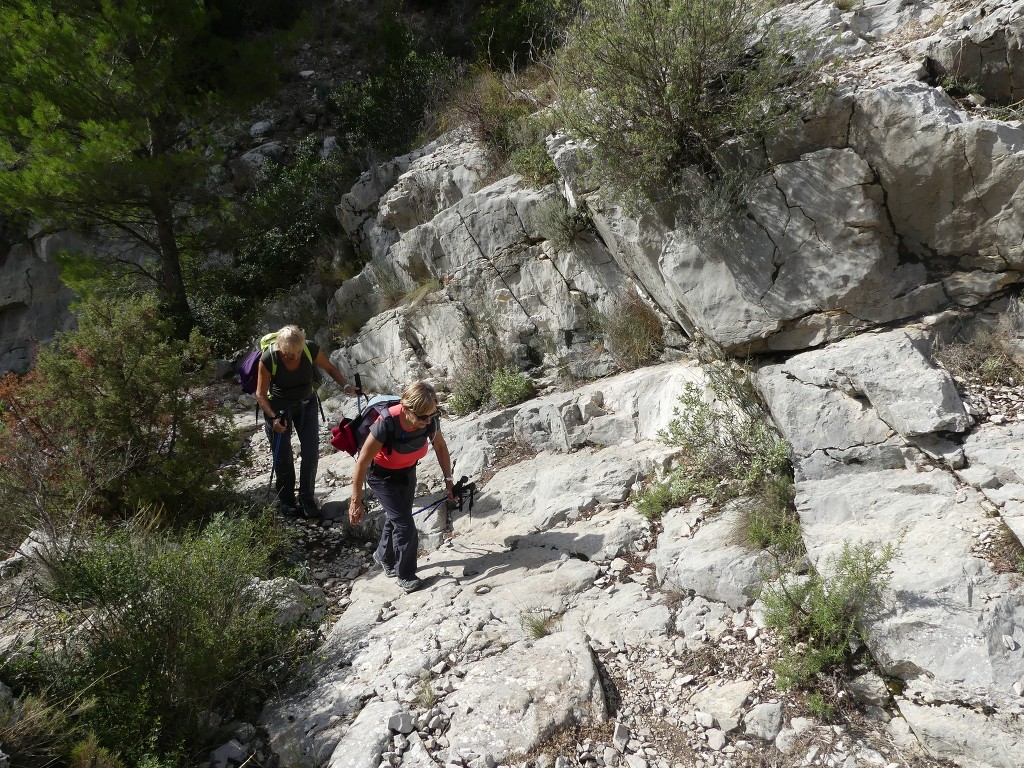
x: 952, y: 183
x: 859, y: 426
x: 549, y: 683
x: 33, y: 300
x: 985, y: 46
x: 482, y: 262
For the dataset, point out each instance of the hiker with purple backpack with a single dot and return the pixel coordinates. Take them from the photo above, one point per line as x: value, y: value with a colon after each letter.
x: 286, y: 393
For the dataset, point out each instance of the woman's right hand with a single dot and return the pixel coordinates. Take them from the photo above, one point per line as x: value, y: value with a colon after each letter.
x: 356, y: 511
x: 279, y: 425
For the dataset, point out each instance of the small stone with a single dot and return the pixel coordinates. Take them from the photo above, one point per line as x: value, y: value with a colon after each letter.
x: 402, y: 722
x: 716, y: 739
x: 621, y: 736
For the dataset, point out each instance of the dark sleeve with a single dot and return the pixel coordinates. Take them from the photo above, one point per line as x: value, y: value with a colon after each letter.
x: 265, y: 358
x: 314, y: 349
x: 379, y: 429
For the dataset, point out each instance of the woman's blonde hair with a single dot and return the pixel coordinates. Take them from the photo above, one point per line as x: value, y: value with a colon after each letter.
x: 290, y: 339
x: 420, y: 398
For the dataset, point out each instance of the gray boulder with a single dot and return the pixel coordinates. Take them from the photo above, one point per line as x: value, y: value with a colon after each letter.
x: 984, y: 46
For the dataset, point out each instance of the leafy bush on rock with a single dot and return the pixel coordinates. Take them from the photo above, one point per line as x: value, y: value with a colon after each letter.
x: 819, y: 616
x: 634, y: 332
x: 112, y: 421
x: 658, y: 87
x: 728, y: 449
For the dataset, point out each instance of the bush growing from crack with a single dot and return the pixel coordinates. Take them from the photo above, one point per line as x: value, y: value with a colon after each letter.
x: 819, y: 616
x: 560, y: 224
x: 634, y: 332
x: 986, y: 354
x: 538, y: 622
x: 659, y: 87
x: 728, y: 450
x: 484, y: 380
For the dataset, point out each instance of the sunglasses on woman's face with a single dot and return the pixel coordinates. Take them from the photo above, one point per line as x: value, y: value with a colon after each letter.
x: 422, y: 419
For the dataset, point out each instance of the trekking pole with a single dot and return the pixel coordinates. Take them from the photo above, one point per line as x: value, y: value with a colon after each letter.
x: 461, y: 490
x: 273, y: 464
x: 432, y: 507
x: 278, y: 436
x: 359, y: 392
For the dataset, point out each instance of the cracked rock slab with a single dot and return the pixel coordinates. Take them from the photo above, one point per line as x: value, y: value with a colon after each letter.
x: 525, y: 694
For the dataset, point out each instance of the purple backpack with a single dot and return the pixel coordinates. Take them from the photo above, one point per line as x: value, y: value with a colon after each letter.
x: 249, y: 371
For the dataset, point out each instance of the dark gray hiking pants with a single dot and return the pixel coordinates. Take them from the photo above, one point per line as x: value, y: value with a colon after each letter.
x: 302, y: 417
x: 399, y: 541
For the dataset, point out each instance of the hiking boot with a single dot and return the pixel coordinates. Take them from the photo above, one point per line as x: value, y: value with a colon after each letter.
x: 389, y: 570
x: 410, y: 585
x: 288, y: 510
x: 309, y: 509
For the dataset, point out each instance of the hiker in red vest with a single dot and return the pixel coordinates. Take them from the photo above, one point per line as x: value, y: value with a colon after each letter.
x: 286, y: 393
x: 387, y: 461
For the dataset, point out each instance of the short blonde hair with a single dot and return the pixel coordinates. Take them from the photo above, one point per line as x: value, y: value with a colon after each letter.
x: 290, y: 339
x: 420, y: 398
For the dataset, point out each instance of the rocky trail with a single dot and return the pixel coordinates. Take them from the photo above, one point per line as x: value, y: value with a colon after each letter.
x: 675, y: 679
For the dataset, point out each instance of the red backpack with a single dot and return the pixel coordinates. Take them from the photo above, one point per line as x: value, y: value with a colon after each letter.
x: 350, y: 434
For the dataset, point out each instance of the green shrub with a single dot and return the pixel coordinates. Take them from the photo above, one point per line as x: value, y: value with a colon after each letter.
x: 171, y: 630
x: 426, y: 696
x: 819, y: 706
x: 634, y: 333
x: 657, y: 498
x: 485, y: 379
x: 561, y: 224
x: 538, y: 622
x: 818, y: 616
x: 533, y: 163
x: 470, y: 390
x: 383, y: 115
x: 728, y: 450
x: 768, y: 519
x: 111, y: 421
x: 659, y: 87
x: 277, y: 235
x: 510, y: 387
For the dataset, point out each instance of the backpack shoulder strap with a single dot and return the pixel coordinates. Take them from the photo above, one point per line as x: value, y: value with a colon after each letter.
x: 389, y: 433
x: 305, y: 349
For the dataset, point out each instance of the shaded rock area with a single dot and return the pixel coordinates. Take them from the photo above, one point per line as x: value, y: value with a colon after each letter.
x: 33, y: 300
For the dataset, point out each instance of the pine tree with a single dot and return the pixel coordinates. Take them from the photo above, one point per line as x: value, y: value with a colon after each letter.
x: 104, y: 124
